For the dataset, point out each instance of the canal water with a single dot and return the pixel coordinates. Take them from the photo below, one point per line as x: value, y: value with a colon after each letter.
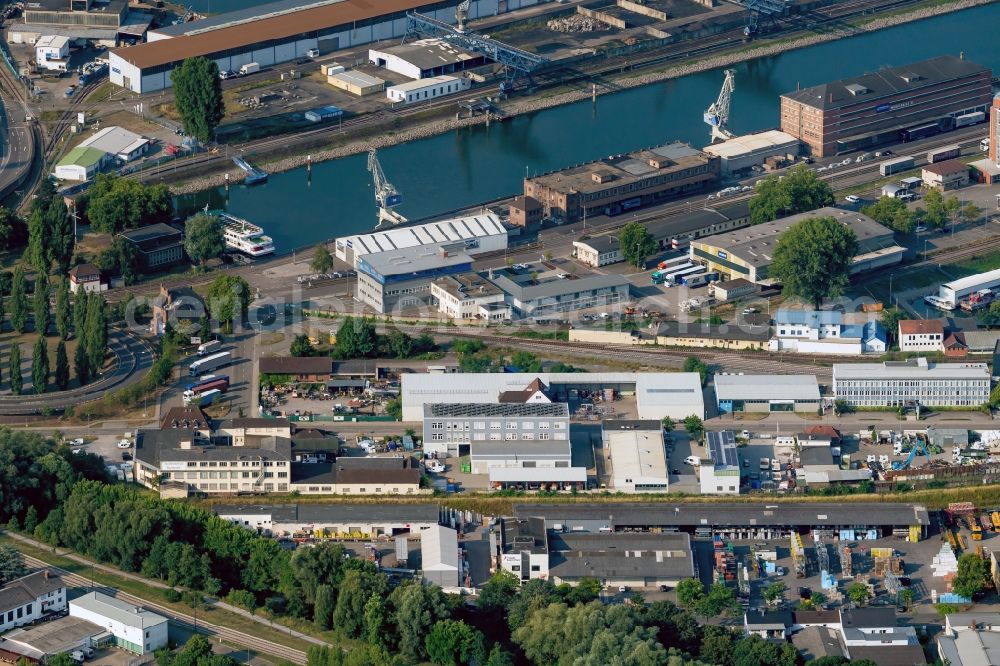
x: 477, y: 164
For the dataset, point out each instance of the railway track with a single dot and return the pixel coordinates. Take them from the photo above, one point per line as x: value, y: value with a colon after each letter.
x: 542, y: 80
x: 180, y: 619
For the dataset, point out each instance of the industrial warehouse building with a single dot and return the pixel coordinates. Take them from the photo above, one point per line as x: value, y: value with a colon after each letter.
x: 369, y: 520
x: 276, y: 33
x: 623, y: 182
x: 533, y: 551
x: 425, y: 58
x: 637, y: 456
x: 478, y: 233
x: 895, y: 103
x: 134, y: 628
x: 657, y: 394
x: 548, y: 294
x: 912, y: 383
x: 748, y: 252
x: 424, y: 89
x: 766, y: 393
x: 354, y: 82
x: 671, y: 232
x: 741, y: 153
x: 736, y: 521
x: 440, y: 557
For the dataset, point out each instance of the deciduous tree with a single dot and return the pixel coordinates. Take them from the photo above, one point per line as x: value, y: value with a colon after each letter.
x: 323, y: 608
x: 972, y: 577
x: 812, y: 259
x: 114, y: 204
x: 799, y: 191
x: 198, y: 97
x: 416, y: 608
x: 452, y: 642
x: 229, y: 299
x: 203, y: 238
x: 301, y: 346
x: 11, y: 564
x: 892, y: 212
x: 636, y: 243
x: 321, y: 261
x: 356, y: 338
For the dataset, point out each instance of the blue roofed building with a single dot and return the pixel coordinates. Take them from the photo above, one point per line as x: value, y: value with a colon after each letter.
x: 824, y: 332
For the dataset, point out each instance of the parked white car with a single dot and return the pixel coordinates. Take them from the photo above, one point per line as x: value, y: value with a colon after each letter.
x: 77, y: 442
x: 435, y: 466
x: 124, y: 444
x: 852, y: 198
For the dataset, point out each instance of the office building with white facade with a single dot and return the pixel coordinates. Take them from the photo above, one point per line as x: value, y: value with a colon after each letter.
x: 913, y: 382
x: 824, y: 332
x: 523, y: 548
x: 134, y: 628
x: 26, y: 599
x: 451, y: 428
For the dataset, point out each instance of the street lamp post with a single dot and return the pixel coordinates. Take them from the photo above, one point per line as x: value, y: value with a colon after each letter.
x: 890, y: 288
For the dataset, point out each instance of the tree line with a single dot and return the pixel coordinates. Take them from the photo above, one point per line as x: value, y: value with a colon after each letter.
x: 63, y: 500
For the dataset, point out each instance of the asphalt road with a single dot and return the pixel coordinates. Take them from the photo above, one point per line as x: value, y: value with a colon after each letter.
x: 133, y: 358
x: 17, y: 145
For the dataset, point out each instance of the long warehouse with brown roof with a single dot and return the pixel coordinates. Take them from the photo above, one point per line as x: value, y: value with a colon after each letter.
x: 279, y: 32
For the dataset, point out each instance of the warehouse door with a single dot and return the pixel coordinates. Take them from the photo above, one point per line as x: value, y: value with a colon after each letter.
x: 331, y: 44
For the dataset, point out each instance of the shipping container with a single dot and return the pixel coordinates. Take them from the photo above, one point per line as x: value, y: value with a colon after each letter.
x: 944, y: 153
x: 896, y: 165
x: 970, y: 119
x: 921, y: 132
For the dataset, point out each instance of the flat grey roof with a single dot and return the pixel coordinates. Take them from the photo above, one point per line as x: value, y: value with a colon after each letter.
x: 524, y: 534
x: 413, y: 260
x: 334, y: 513
x: 755, y: 244
x: 503, y: 409
x: 520, y: 449
x: 557, y: 287
x: 673, y: 329
x: 428, y: 53
x: 918, y: 368
x: 115, y: 609
x: 886, y: 82
x: 766, y: 387
x: 156, y: 446
x: 53, y: 637
x: 609, y: 556
x: 720, y: 514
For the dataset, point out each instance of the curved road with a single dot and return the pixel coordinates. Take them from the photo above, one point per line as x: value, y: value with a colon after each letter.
x: 17, y: 145
x: 133, y: 358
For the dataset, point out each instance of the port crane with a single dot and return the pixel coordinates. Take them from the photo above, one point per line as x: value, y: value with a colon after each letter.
x: 717, y: 115
x: 386, y: 194
x: 515, y: 62
x: 758, y: 8
x: 462, y: 15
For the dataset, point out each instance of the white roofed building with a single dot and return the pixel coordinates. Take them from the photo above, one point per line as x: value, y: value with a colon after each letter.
x: 479, y: 233
x: 637, y: 456
x: 657, y: 394
x: 440, y: 557
x: 134, y: 628
x: 741, y: 153
x: 119, y: 142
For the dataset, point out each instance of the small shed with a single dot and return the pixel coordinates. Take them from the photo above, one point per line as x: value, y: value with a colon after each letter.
x: 324, y: 113
x: 81, y: 163
x: 892, y: 190
x: 356, y: 83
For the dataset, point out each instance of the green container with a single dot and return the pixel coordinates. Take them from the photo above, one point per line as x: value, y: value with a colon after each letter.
x: 466, y: 468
